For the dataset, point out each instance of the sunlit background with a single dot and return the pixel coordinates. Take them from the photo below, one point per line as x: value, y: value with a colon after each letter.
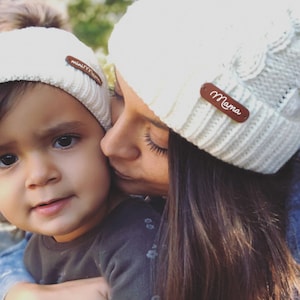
x: 92, y: 20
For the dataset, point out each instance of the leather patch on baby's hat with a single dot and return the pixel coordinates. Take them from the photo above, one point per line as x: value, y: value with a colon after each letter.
x: 80, y: 65
x: 224, y: 102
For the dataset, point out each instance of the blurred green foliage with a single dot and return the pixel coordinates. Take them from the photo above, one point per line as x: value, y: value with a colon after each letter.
x: 92, y: 21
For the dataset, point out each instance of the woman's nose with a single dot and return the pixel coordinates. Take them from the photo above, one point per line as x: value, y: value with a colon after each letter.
x: 120, y: 141
x: 41, y: 170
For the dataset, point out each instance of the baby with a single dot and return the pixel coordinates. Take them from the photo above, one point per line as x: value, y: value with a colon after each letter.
x: 54, y: 178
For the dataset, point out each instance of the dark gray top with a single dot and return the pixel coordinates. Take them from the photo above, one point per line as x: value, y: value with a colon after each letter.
x: 122, y: 249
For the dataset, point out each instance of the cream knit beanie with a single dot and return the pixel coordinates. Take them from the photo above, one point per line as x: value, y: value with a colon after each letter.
x: 224, y: 74
x: 56, y: 57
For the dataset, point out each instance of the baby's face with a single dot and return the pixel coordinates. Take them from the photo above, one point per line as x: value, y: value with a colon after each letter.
x: 54, y: 178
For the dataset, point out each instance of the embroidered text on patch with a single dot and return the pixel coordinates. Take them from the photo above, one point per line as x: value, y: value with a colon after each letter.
x: 78, y: 64
x: 224, y: 102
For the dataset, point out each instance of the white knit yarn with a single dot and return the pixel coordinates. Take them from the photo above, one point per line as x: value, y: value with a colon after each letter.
x: 167, y: 49
x: 39, y: 54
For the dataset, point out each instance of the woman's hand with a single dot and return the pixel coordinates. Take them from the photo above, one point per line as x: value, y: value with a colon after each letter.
x: 91, y: 289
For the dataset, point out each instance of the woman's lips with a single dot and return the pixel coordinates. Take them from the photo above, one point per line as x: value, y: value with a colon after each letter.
x: 121, y: 175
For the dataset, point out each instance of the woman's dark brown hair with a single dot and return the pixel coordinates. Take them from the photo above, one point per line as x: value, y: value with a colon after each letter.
x: 224, y: 231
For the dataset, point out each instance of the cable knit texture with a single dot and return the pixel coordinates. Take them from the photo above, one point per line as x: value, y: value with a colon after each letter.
x: 40, y: 54
x: 250, y: 51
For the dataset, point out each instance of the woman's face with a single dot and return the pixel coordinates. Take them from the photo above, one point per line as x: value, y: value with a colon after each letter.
x: 136, y: 145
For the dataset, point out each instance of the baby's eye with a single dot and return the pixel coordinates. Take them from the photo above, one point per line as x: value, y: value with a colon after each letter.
x: 7, y: 160
x: 65, y: 141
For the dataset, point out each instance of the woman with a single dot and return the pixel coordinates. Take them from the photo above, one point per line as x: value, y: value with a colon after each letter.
x: 224, y: 214
x: 210, y: 120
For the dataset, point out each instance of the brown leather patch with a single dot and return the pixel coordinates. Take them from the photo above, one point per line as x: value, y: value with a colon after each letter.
x: 80, y: 65
x: 224, y: 102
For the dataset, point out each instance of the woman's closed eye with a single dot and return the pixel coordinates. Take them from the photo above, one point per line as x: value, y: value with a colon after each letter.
x: 154, y: 147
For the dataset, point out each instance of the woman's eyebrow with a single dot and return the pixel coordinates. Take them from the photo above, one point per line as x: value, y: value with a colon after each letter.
x: 158, y: 123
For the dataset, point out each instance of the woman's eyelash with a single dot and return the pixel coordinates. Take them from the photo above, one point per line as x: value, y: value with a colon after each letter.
x: 153, y: 147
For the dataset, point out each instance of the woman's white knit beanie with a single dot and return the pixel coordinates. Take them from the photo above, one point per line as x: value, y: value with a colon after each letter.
x: 58, y: 58
x: 224, y: 74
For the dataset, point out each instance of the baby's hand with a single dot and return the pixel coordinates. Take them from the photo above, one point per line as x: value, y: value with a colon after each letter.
x: 92, y: 289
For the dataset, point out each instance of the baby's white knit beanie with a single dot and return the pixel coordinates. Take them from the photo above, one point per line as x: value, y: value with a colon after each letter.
x: 58, y: 58
x: 224, y: 74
